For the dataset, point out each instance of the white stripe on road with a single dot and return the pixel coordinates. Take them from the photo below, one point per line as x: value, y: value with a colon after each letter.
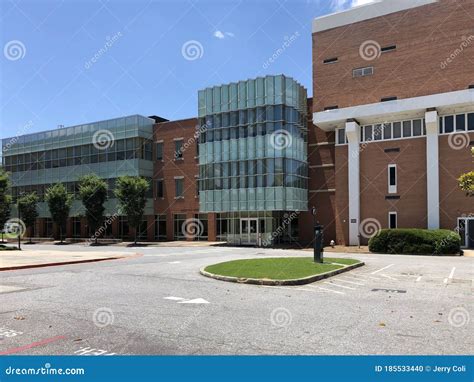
x: 330, y: 290
x: 340, y: 279
x: 287, y: 288
x: 337, y: 285
x: 450, y: 277
x: 418, y: 279
x: 388, y: 277
x: 382, y: 269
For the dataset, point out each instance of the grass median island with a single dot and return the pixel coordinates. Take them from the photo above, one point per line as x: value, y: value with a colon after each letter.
x: 284, y: 268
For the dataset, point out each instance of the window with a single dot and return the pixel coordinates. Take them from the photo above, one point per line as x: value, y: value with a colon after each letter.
x: 331, y: 60
x: 388, y: 48
x: 417, y: 131
x: 392, y: 220
x: 178, y: 149
x: 341, y: 136
x: 461, y: 122
x: 392, y: 179
x: 470, y: 121
x: 449, y: 124
x: 179, y: 187
x: 179, y: 226
x: 160, y: 227
x: 159, y: 151
x: 159, y: 188
x: 386, y: 99
x: 363, y: 72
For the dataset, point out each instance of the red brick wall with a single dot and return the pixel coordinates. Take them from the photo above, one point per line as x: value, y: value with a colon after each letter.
x: 425, y: 37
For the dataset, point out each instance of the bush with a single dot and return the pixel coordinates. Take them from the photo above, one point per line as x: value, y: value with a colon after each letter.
x: 416, y: 241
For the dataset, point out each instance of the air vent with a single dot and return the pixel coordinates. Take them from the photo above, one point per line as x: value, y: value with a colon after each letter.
x: 392, y: 197
x: 331, y: 108
x: 386, y: 99
x: 392, y: 150
x: 331, y: 60
x: 471, y: 87
x: 362, y: 72
x: 388, y: 48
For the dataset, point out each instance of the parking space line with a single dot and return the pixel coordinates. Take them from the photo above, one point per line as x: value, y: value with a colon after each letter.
x: 418, y: 279
x: 330, y: 290
x: 382, y: 269
x: 450, y: 277
x: 339, y: 279
x: 337, y: 285
x: 388, y: 277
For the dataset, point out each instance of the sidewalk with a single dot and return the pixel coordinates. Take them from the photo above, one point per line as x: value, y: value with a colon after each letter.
x: 11, y: 260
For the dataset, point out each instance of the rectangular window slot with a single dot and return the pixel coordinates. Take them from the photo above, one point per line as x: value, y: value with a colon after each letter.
x: 393, y: 150
x: 392, y: 197
x: 331, y: 108
x: 388, y: 48
x: 332, y: 60
x: 386, y: 99
x: 392, y: 220
x: 392, y: 179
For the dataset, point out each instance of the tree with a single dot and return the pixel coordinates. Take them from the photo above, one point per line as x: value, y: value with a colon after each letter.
x: 27, y: 206
x: 466, y: 181
x: 5, y: 198
x: 93, y: 194
x: 131, y: 193
x: 59, y: 203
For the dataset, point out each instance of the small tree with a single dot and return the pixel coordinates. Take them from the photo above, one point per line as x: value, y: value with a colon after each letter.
x: 93, y: 194
x: 27, y: 205
x: 466, y: 181
x: 131, y: 193
x: 5, y: 199
x: 59, y: 203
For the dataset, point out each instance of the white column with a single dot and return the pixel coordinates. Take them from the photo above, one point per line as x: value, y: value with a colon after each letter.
x: 432, y: 169
x: 353, y: 137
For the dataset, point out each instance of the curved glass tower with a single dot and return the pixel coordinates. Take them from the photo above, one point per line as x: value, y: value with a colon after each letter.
x: 253, y: 158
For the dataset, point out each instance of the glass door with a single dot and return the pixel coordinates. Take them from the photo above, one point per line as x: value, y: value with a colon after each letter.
x: 248, y: 231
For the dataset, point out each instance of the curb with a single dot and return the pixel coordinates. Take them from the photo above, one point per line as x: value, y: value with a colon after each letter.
x: 302, y: 281
x: 18, y: 267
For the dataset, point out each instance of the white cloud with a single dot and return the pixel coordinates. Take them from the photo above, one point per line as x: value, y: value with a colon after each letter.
x: 341, y: 5
x: 222, y: 35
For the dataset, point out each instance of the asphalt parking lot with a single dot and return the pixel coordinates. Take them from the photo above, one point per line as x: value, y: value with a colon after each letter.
x: 158, y: 303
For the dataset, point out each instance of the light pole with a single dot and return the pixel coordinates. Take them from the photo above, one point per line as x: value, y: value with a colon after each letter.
x: 19, y: 223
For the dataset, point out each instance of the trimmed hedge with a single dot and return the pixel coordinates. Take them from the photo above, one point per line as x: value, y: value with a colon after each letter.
x: 416, y: 241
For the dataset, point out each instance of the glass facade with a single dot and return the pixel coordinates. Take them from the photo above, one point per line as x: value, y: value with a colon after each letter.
x: 110, y: 149
x: 253, y: 154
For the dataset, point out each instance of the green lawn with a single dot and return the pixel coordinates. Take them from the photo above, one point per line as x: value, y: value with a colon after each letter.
x: 277, y: 268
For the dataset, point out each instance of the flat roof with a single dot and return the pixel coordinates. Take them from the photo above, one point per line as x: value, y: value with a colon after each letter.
x: 365, y: 12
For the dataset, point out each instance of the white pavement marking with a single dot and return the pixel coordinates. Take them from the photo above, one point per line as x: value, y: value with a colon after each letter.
x: 330, y: 290
x: 174, y: 262
x: 450, y: 277
x: 337, y: 285
x: 348, y: 282
x: 286, y: 288
x: 194, y: 301
x: 174, y: 298
x: 388, y: 277
x: 382, y: 269
x: 418, y: 279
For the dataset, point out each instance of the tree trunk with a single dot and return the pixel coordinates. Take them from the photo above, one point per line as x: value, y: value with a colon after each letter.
x: 61, y: 234
x: 136, y: 235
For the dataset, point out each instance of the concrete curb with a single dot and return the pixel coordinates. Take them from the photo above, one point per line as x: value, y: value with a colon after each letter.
x: 302, y: 281
x: 28, y: 266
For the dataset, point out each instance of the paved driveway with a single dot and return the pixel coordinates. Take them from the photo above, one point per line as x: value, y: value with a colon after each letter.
x: 158, y: 303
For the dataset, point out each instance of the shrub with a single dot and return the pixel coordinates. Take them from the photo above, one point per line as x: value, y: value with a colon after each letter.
x: 416, y: 241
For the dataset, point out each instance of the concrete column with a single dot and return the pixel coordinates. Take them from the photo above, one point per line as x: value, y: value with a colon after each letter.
x: 432, y: 168
x: 353, y: 152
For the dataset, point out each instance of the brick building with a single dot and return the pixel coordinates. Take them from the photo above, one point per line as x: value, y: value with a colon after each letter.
x: 381, y: 143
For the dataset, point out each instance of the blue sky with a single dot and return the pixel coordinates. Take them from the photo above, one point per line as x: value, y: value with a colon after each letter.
x: 71, y: 62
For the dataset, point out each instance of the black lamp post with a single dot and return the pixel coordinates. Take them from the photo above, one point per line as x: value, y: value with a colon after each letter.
x: 318, y: 238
